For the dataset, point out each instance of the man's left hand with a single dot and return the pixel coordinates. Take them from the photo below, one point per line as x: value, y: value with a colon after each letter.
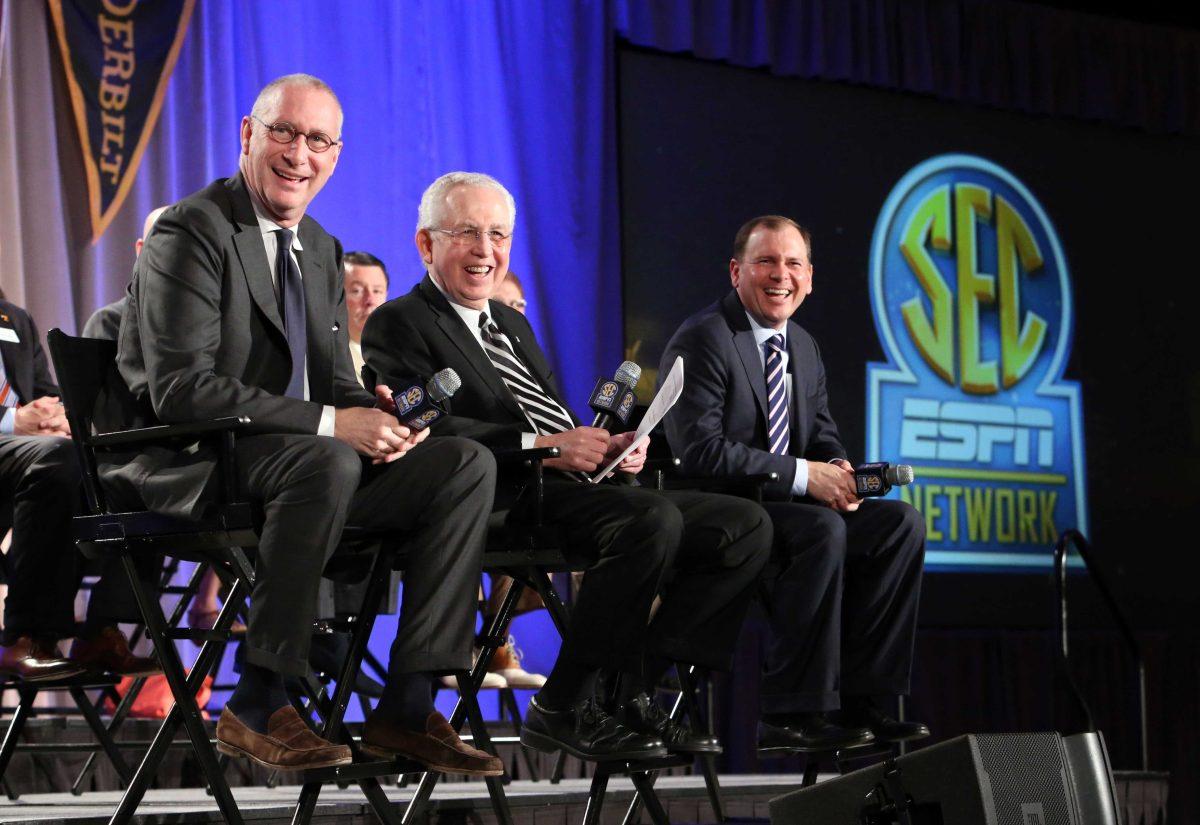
x: 383, y: 399
x: 636, y: 460
x: 850, y: 507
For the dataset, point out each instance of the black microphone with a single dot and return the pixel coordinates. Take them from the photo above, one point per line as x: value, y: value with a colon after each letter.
x: 417, y: 404
x: 614, y: 397
x: 877, y: 479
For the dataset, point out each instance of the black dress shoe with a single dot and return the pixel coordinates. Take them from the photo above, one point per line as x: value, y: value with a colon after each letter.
x: 643, y: 714
x: 810, y: 732
x: 35, y: 660
x: 885, y: 728
x: 586, y: 731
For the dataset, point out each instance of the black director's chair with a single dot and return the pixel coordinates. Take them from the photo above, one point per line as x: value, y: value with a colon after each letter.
x: 87, y: 370
x: 527, y: 552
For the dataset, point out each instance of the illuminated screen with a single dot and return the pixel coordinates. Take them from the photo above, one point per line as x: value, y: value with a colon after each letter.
x: 997, y: 297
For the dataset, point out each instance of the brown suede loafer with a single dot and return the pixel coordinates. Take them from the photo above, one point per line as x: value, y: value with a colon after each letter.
x: 109, y: 651
x: 438, y: 748
x: 288, y: 745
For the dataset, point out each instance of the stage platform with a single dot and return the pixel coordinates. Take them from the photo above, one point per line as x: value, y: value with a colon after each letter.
x: 745, y: 798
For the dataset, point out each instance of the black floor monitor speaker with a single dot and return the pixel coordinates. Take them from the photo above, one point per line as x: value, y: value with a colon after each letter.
x: 978, y: 779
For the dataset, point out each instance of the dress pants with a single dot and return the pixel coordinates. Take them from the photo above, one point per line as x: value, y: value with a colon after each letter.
x: 704, y: 552
x: 310, y: 486
x: 841, y: 595
x: 40, y: 479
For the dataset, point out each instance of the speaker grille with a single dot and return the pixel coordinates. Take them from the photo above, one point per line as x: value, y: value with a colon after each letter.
x: 1027, y: 777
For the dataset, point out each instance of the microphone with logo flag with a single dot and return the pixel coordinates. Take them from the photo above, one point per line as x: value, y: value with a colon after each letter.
x: 417, y: 405
x: 878, y: 478
x: 613, y: 398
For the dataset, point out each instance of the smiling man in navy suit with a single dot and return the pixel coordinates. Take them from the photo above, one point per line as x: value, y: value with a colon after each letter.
x: 843, y: 587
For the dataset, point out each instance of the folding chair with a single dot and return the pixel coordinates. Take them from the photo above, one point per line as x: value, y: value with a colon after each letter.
x: 366, y: 769
x: 85, y: 368
x: 527, y: 553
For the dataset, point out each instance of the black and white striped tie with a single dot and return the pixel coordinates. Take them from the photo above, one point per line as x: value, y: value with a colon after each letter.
x: 545, y: 414
x: 777, y: 408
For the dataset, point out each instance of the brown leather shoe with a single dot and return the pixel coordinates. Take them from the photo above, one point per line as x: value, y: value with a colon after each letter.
x: 438, y: 748
x: 288, y: 745
x: 35, y: 660
x: 109, y: 651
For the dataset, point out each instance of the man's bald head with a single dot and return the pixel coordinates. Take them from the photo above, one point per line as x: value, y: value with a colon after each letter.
x: 147, y: 225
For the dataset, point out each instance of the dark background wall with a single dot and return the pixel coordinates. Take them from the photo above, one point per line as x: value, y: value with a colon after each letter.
x: 705, y: 145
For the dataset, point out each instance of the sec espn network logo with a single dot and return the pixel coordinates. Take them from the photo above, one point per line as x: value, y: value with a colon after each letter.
x: 972, y: 302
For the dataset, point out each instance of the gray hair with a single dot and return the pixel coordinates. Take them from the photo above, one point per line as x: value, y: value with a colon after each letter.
x: 433, y: 201
x: 270, y: 94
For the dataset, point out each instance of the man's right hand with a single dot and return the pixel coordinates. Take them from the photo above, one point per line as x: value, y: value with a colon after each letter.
x: 372, y: 432
x: 42, y: 416
x: 582, y: 448
x: 832, y: 485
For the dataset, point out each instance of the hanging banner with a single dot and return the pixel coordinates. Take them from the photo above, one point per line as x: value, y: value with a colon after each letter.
x: 117, y: 56
x: 972, y: 303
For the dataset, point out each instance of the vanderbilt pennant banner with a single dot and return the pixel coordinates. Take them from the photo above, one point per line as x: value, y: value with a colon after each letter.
x: 117, y: 56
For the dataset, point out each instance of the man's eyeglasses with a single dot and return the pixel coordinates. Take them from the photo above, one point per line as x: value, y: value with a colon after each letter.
x: 467, y: 235
x: 284, y: 132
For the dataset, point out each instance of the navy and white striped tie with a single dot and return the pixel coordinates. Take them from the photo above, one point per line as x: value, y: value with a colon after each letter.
x: 777, y: 406
x: 544, y: 414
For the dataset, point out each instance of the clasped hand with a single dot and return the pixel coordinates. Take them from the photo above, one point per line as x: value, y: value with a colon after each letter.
x: 833, y: 484
x: 375, y: 431
x: 41, y: 416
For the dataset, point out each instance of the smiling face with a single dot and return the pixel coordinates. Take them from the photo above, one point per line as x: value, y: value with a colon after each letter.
x: 774, y: 275
x: 285, y: 177
x: 469, y: 271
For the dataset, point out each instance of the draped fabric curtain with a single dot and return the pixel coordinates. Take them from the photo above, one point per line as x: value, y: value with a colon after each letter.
x: 524, y: 91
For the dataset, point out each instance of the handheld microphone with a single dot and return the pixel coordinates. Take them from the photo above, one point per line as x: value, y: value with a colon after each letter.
x: 417, y: 405
x: 877, y: 479
x: 614, y: 397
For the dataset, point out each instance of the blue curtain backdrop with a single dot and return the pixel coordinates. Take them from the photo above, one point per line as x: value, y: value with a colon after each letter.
x: 524, y: 91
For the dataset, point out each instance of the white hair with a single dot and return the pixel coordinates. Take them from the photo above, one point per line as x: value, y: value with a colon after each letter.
x: 433, y: 202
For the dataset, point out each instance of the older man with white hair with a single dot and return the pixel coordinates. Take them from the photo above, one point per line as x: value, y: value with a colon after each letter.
x: 629, y: 539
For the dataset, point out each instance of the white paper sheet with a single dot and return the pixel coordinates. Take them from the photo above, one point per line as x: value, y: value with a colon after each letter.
x: 671, y: 389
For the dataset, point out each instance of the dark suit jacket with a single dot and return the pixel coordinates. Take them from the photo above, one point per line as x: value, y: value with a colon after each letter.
x: 25, y: 361
x: 417, y: 334
x: 202, y: 338
x: 719, y: 425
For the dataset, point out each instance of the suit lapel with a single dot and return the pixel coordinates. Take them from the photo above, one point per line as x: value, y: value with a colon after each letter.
x: 252, y: 255
x: 747, y: 349
x: 11, y: 354
x: 456, y: 331
x: 796, y: 366
x: 316, y: 280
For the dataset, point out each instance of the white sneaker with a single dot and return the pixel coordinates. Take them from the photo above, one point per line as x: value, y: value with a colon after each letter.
x: 491, y: 681
x: 507, y: 663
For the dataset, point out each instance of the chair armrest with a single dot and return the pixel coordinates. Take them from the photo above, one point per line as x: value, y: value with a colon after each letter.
x: 533, y: 454
x: 165, y: 432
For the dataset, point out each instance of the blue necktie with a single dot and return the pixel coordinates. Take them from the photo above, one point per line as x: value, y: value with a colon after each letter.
x: 295, y: 322
x: 777, y: 407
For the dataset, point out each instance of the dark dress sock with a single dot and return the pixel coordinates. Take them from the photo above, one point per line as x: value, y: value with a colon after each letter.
x: 565, y: 684
x: 407, y: 701
x: 258, y: 694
